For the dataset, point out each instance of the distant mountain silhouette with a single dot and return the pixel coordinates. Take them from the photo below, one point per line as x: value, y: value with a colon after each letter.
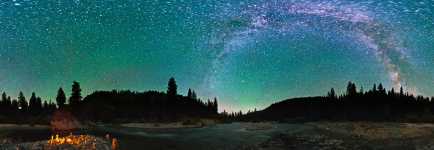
x: 124, y: 106
x: 376, y: 104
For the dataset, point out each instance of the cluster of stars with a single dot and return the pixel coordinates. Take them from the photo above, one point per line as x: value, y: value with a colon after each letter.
x: 247, y: 53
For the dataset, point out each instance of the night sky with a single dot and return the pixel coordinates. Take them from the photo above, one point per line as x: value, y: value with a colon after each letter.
x: 247, y: 53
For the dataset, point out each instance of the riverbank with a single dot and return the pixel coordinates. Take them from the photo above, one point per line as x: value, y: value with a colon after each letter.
x: 87, y: 142
x: 261, y: 136
x: 353, y: 135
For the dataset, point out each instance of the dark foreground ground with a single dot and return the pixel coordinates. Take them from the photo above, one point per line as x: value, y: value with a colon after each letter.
x: 255, y: 136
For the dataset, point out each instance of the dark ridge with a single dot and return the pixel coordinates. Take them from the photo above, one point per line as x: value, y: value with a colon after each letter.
x: 376, y: 104
x: 127, y: 106
x: 110, y: 106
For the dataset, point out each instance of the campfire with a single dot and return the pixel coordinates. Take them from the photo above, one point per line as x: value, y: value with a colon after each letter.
x: 63, y: 122
x: 79, y: 142
x: 71, y: 140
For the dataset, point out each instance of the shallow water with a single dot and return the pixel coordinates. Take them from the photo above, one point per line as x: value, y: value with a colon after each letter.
x: 221, y: 136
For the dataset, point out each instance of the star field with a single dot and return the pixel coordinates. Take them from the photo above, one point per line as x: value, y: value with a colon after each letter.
x: 249, y: 54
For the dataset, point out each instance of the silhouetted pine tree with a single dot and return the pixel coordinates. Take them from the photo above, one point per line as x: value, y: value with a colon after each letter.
x: 381, y: 90
x: 172, y: 88
x: 60, y: 98
x: 351, y: 89
x: 189, y: 94
x: 361, y: 91
x: 374, y: 89
x: 22, y: 103
x: 391, y: 93
x: 8, y: 104
x: 3, y: 103
x: 332, y: 94
x: 4, y: 97
x: 193, y: 95
x: 38, y: 106
x: 75, y: 98
x: 209, y: 105
x: 32, y: 103
x: 172, y: 94
x: 215, y: 106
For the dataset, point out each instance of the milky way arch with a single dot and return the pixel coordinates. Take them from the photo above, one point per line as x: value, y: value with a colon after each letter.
x: 352, y: 20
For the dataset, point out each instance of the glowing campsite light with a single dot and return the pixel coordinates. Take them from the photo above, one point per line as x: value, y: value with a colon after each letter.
x: 70, y: 139
x: 78, y: 141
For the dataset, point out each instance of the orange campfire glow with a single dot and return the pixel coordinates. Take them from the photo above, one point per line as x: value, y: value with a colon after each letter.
x: 71, y: 140
x: 80, y: 141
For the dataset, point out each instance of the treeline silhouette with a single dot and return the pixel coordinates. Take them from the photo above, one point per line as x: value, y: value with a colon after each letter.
x: 376, y: 104
x: 20, y: 110
x: 127, y: 106
x: 109, y: 106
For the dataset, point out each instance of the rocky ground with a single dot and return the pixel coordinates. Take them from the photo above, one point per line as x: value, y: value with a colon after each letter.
x: 355, y: 136
x: 95, y: 144
x: 247, y: 136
